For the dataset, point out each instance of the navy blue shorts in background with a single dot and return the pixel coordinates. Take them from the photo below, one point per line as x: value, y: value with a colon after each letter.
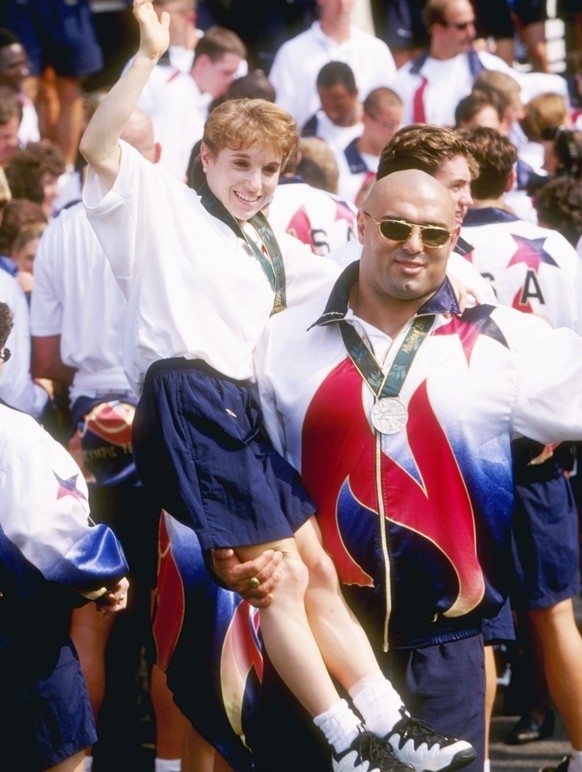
x: 59, y: 33
x: 201, y: 452
x: 45, y: 714
x: 500, y: 628
x: 545, y: 541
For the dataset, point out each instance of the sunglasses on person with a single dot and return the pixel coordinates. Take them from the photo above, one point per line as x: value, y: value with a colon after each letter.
x: 5, y: 355
x: 401, y: 230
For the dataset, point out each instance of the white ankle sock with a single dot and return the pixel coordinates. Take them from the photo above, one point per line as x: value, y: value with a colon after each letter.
x: 87, y: 763
x: 487, y: 765
x: 339, y: 725
x: 167, y: 765
x: 575, y: 764
x: 378, y: 702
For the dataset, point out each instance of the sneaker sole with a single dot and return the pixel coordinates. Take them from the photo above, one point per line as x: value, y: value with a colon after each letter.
x: 459, y: 760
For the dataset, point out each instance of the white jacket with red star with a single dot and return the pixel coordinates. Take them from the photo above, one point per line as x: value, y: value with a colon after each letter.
x: 532, y: 269
x: 47, y: 538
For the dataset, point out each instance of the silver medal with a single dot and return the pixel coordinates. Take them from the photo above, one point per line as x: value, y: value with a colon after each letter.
x: 389, y: 415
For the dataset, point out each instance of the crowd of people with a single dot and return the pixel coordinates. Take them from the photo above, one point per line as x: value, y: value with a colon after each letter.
x: 290, y: 318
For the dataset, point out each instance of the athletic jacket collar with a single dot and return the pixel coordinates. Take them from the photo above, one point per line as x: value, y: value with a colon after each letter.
x: 488, y: 216
x: 444, y: 300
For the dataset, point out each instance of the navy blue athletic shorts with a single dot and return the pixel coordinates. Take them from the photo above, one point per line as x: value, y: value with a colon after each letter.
x: 59, y: 33
x: 444, y: 685
x: 545, y: 539
x: 201, y: 452
x: 500, y: 628
x: 45, y: 714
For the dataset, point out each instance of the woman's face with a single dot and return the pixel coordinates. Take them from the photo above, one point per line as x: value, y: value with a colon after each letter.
x: 243, y: 180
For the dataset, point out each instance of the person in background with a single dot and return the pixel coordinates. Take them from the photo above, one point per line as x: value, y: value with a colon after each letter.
x: 317, y: 165
x: 478, y: 109
x: 34, y: 173
x: 78, y: 345
x: 183, y: 33
x: 320, y: 219
x: 53, y: 558
x: 13, y: 73
x: 358, y: 163
x: 545, y: 543
x: 332, y: 38
x: 24, y: 252
x: 339, y: 120
x: 62, y: 48
x: 10, y: 120
x: 559, y: 206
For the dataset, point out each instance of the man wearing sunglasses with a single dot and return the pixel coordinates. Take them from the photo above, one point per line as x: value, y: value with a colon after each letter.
x: 447, y: 157
x: 399, y: 414
x: 432, y: 85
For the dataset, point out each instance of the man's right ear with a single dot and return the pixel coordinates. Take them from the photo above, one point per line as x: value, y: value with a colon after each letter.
x: 361, y: 223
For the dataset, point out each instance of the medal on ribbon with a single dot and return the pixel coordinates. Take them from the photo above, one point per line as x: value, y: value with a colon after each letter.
x: 389, y: 414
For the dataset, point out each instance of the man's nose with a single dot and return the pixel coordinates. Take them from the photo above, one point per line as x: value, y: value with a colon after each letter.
x: 413, y: 243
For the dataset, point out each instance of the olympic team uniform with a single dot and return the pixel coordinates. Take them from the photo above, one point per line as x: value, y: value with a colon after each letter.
x: 356, y: 169
x: 434, y: 563
x: 51, y: 555
x: 431, y: 89
x: 315, y: 217
x: 297, y: 62
x: 532, y: 269
x: 537, y: 271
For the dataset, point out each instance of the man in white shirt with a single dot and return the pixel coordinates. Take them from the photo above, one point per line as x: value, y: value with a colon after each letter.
x: 332, y: 38
x: 432, y: 84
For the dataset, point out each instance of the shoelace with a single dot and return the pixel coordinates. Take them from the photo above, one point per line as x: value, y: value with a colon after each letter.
x: 419, y: 732
x: 373, y: 748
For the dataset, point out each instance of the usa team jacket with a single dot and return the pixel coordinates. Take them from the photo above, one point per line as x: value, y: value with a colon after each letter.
x: 50, y: 550
x: 532, y: 269
x: 434, y: 562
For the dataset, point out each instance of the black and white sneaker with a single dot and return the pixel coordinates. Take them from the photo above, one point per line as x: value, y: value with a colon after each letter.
x: 416, y: 744
x: 368, y: 754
